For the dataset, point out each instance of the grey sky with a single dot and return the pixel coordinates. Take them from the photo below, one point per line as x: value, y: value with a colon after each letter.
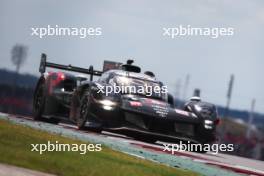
x: 133, y: 29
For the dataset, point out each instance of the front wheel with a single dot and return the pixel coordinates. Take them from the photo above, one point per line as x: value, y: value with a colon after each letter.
x: 84, y: 111
x: 83, y: 114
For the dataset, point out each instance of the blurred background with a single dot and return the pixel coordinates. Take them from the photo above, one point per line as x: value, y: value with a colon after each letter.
x: 228, y: 70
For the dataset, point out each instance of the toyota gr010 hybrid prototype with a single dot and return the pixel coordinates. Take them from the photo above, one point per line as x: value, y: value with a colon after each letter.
x: 81, y: 100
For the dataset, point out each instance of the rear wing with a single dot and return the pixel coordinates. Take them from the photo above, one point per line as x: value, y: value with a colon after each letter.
x: 44, y: 64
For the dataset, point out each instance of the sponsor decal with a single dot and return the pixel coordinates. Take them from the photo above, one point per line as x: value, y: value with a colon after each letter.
x: 162, y: 111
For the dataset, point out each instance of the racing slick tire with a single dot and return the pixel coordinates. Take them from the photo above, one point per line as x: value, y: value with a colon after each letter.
x: 39, y: 102
x: 205, y: 137
x: 83, y: 115
x: 84, y: 109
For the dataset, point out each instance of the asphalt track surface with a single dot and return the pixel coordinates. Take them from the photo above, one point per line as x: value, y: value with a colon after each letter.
x: 206, y: 164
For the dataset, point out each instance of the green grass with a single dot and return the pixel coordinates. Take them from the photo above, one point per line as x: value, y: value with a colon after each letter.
x: 15, y: 149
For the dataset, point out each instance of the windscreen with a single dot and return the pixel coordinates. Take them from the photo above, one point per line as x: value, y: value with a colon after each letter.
x: 147, y: 88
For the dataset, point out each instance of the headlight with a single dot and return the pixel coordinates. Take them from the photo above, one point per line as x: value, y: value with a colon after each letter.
x: 107, y: 102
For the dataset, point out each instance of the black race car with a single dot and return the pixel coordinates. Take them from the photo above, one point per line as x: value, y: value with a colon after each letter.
x: 145, y: 115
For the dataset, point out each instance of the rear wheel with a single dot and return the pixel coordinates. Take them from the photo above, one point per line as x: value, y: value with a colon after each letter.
x: 39, y: 102
x: 205, y: 137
